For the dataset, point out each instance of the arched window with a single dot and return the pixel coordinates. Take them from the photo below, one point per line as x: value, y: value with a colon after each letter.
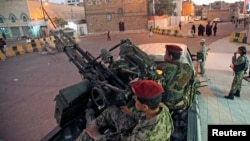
x: 24, y: 17
x: 1, y: 19
x: 12, y: 18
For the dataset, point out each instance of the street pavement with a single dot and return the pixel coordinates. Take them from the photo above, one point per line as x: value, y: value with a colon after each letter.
x: 214, y: 108
x: 30, y: 82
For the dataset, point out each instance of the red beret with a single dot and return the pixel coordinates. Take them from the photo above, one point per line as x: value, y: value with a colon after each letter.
x: 147, y: 89
x: 173, y: 48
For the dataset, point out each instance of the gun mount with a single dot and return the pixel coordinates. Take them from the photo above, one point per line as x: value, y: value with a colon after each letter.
x: 106, y: 74
x: 105, y: 82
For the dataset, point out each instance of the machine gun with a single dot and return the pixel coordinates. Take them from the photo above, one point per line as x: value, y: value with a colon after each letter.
x: 106, y: 75
x: 103, y: 83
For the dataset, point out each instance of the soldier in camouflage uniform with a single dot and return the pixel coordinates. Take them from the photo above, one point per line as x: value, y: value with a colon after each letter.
x: 238, y: 64
x: 177, y: 75
x: 150, y: 122
x: 203, y: 51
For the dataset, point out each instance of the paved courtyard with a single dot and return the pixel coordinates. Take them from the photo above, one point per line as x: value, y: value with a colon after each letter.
x: 30, y: 82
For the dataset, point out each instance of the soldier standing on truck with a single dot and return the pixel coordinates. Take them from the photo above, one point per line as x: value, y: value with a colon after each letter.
x: 151, y: 121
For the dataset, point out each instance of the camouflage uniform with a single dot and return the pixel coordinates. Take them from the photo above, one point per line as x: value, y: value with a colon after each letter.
x: 202, y: 63
x: 175, y: 86
x: 158, y: 128
x: 237, y: 81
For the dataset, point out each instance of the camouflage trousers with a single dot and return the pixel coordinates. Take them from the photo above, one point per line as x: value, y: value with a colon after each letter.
x: 237, y: 81
x: 115, y: 118
x: 202, y: 67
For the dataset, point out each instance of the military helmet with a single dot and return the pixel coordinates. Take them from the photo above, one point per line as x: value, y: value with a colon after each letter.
x: 202, y: 41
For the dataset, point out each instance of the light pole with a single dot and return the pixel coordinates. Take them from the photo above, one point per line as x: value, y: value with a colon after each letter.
x: 153, y: 12
x: 43, y: 10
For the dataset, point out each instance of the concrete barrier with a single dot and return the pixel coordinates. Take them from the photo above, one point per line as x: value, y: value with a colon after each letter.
x: 2, y: 56
x: 36, y: 45
x: 170, y: 32
x: 15, y: 50
x: 238, y: 37
x: 51, y: 41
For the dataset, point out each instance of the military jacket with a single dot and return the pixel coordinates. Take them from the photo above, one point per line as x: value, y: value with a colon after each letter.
x: 204, y: 52
x: 180, y: 79
x: 239, y: 61
x: 158, y: 128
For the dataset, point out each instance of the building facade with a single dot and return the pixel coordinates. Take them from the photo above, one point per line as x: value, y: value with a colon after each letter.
x: 20, y: 18
x: 220, y: 9
x: 115, y: 15
x: 73, y: 2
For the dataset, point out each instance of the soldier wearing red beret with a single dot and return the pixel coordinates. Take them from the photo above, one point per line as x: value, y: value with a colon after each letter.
x: 150, y: 121
x: 177, y: 76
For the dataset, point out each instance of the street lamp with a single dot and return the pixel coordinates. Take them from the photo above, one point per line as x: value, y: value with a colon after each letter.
x: 43, y: 9
x: 154, y: 12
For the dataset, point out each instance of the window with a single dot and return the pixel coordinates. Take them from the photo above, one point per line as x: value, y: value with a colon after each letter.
x: 97, y: 2
x: 24, y: 17
x: 90, y: 2
x: 1, y: 20
x: 109, y: 17
x: 108, y: 1
x: 120, y: 11
x: 12, y: 19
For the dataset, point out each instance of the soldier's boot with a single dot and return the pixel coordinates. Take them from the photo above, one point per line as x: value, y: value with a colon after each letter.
x: 230, y: 96
x: 237, y: 93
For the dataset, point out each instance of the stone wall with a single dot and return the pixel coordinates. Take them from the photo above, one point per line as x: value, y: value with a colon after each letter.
x: 133, y: 15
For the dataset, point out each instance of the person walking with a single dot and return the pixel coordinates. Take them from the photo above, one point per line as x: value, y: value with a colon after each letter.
x: 238, y: 65
x: 203, y: 55
x: 215, y: 29
x: 208, y: 29
x: 180, y: 25
x: 193, y: 28
x: 108, y: 36
x: 150, y: 31
x: 201, y: 29
x: 150, y: 121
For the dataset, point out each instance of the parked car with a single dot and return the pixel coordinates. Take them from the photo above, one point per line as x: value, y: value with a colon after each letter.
x: 217, y: 20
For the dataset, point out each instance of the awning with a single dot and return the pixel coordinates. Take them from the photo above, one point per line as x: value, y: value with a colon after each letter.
x: 37, y: 23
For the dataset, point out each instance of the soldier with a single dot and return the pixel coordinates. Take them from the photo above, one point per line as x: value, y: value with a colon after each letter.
x: 151, y: 121
x: 203, y: 53
x: 237, y: 65
x: 177, y: 76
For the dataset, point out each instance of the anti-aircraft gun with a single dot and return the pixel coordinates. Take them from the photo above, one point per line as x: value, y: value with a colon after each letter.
x: 103, y: 83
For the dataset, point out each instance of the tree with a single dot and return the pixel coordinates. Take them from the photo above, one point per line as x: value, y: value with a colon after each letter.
x: 161, y: 7
x: 60, y: 22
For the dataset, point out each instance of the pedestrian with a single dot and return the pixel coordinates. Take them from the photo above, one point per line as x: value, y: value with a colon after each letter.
x: 151, y: 31
x: 201, y: 56
x: 2, y: 45
x: 28, y: 40
x: 193, y: 28
x: 200, y: 30
x: 215, y: 29
x: 236, y: 25
x: 151, y: 120
x: 238, y: 64
x: 108, y: 36
x: 208, y: 29
x: 180, y: 25
x: 177, y: 76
